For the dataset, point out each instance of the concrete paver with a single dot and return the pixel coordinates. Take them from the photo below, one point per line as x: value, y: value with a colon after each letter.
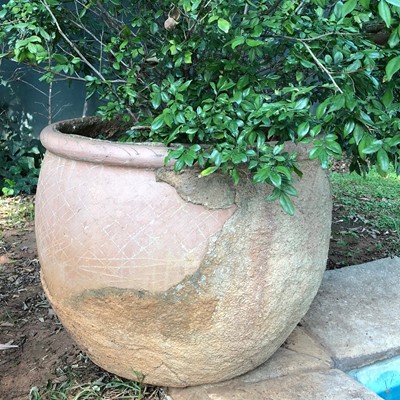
x: 299, y: 354
x: 325, y: 385
x: 355, y: 315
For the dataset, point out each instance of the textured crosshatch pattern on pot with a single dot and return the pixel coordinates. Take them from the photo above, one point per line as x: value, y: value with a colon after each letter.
x: 126, y: 248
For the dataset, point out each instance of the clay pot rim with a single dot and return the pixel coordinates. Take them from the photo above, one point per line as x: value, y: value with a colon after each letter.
x: 78, y: 147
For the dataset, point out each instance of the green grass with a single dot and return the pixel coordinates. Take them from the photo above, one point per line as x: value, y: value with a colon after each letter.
x: 373, y: 198
x: 83, y: 380
x: 107, y: 387
x: 16, y: 211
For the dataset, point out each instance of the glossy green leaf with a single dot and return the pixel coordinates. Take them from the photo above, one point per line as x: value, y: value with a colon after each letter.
x: 387, y: 98
x: 333, y: 146
x: 353, y: 67
x: 180, y: 118
x: 254, y: 43
x: 301, y: 103
x: 315, y: 131
x: 235, y: 176
x: 183, y: 87
x: 290, y: 190
x: 274, y: 195
x: 383, y: 161
x: 348, y: 128
x: 358, y: 133
x: 155, y: 99
x: 315, y: 152
x: 394, y: 2
x: 324, y: 158
x: 208, y: 171
x: 395, y: 141
x: 262, y: 175
x: 392, y: 67
x: 59, y: 58
x: 277, y: 149
x: 338, y: 57
x: 176, y: 153
x: 321, y: 110
x: 348, y: 7
x: 275, y: 179
x: 284, y: 171
x: 394, y: 39
x: 385, y: 13
x: 372, y: 147
x: 224, y: 25
x: 158, y: 122
x: 286, y: 203
x: 188, y: 57
x: 302, y: 130
x: 338, y: 10
x: 237, y: 41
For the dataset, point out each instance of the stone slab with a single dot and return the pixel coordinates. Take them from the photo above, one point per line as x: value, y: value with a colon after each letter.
x: 300, y: 353
x: 355, y: 315
x: 326, y: 385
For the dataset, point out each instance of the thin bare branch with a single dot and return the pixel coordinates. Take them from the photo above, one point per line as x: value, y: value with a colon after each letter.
x: 320, y: 65
x: 141, y: 128
x: 99, y: 41
x: 66, y: 38
x: 274, y: 7
x: 113, y: 22
x: 203, y: 6
x: 7, y: 346
x: 32, y: 86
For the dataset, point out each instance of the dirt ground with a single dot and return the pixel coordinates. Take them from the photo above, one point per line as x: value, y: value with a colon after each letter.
x: 44, y: 351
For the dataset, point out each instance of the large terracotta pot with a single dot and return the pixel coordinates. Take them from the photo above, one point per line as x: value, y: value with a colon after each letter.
x: 185, y: 280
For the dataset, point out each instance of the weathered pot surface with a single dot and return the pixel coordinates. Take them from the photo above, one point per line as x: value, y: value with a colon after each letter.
x: 183, y: 279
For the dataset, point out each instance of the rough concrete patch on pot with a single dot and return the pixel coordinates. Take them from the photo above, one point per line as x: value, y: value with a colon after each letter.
x: 215, y: 191
x: 187, y: 316
x: 142, y: 323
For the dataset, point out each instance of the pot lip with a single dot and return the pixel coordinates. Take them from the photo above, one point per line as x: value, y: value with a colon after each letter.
x: 77, y: 147
x: 98, y: 151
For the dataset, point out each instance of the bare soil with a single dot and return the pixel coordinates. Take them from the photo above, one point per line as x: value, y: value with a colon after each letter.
x: 44, y: 351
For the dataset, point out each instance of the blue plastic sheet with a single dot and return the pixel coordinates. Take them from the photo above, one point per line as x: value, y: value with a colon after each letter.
x: 382, y: 378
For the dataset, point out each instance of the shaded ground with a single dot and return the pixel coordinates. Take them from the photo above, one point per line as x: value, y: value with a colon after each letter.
x: 355, y: 241
x: 26, y: 320
x: 45, y: 354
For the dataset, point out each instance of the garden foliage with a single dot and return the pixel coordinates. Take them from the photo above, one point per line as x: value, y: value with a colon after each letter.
x: 231, y: 74
x: 20, y: 153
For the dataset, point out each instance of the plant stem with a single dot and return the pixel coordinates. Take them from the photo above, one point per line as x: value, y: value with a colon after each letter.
x: 66, y: 38
x: 320, y: 65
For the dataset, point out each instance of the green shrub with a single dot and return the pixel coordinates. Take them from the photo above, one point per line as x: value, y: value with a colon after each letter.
x: 20, y: 153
